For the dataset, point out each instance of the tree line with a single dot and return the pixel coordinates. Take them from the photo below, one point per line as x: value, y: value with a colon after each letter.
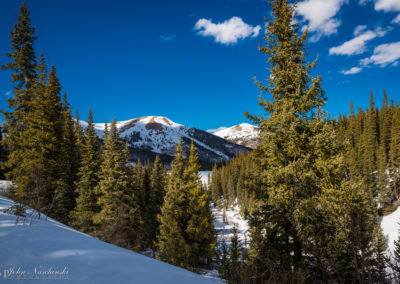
x: 372, y: 148
x: 370, y: 140
x: 72, y: 175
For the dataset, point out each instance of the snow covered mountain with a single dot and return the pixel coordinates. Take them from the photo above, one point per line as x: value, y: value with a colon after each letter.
x: 243, y: 134
x: 151, y: 135
x: 45, y: 251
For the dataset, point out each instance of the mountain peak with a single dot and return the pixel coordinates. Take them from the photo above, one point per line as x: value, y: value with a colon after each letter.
x: 149, y: 136
x: 243, y: 134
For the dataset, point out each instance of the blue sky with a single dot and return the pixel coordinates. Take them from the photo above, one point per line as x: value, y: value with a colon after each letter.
x: 193, y: 61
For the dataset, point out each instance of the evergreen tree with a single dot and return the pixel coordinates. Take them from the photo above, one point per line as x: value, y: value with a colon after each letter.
x: 235, y: 256
x: 216, y: 191
x: 186, y: 236
x: 22, y: 64
x: 157, y: 194
x: 38, y: 175
x: 70, y: 161
x: 224, y: 268
x: 173, y: 219
x: 119, y: 217
x: 86, y: 202
x: 50, y: 128
x: 295, y: 231
x: 200, y: 230
x: 394, y: 159
x: 384, y: 190
x: 369, y: 147
x: 79, y: 136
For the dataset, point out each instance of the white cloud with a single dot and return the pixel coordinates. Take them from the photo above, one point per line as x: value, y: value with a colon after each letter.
x: 320, y: 16
x: 357, y: 44
x: 353, y: 70
x: 8, y: 93
x: 227, y: 32
x: 396, y: 20
x: 384, y: 55
x: 167, y: 37
x: 359, y: 29
x: 387, y: 5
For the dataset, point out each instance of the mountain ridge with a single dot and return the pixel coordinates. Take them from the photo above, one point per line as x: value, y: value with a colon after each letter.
x: 149, y: 136
x: 244, y: 134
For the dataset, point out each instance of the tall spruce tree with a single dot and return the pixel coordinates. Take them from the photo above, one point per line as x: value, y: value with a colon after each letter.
x: 22, y: 64
x: 86, y: 202
x: 171, y: 243
x: 51, y: 125
x: 215, y: 188
x: 369, y: 147
x: 119, y: 218
x: 295, y: 232
x: 156, y: 197
x: 79, y: 136
x: 187, y: 237
x: 394, y: 160
x: 70, y: 162
x: 200, y: 229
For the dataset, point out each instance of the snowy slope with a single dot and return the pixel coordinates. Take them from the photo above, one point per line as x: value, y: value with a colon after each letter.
x: 51, y: 247
x: 243, y: 134
x: 390, y: 227
x: 151, y: 135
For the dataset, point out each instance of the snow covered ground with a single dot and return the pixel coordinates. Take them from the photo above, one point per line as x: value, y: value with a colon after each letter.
x: 232, y: 216
x: 225, y: 229
x: 390, y: 227
x: 204, y: 177
x: 48, y: 249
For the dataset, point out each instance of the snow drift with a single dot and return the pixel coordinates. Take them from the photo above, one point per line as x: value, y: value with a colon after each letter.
x: 45, y: 249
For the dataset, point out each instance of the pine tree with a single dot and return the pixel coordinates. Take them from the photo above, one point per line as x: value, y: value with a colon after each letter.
x: 22, y: 64
x: 156, y: 197
x: 384, y: 190
x: 295, y: 231
x: 394, y: 160
x: 200, y: 230
x: 146, y: 211
x: 70, y: 161
x: 224, y: 268
x: 235, y: 256
x: 171, y: 244
x: 38, y: 175
x: 79, y: 136
x: 86, y: 202
x: 216, y: 191
x: 369, y: 147
x: 385, y: 124
x: 49, y: 125
x: 119, y: 217
x: 293, y: 108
